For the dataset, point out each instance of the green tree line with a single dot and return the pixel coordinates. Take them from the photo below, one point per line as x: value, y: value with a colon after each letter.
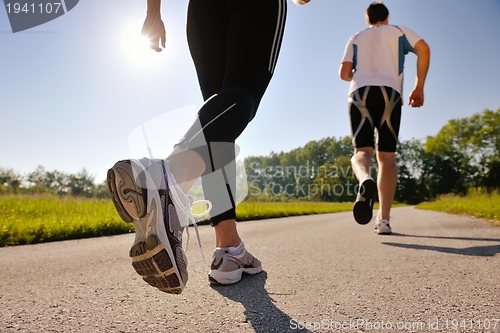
x: 464, y: 154
x: 42, y: 181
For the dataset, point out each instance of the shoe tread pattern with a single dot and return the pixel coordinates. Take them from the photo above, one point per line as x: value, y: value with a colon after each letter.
x: 149, y: 257
x: 363, y: 208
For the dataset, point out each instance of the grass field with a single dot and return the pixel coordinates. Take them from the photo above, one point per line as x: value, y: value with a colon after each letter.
x: 28, y: 220
x: 36, y: 219
x: 476, y: 203
x: 260, y: 210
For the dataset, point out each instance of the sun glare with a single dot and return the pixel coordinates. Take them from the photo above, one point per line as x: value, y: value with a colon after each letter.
x: 136, y: 48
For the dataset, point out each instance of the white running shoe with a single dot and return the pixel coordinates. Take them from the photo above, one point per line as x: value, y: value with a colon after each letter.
x: 227, y: 268
x: 382, y: 226
x: 145, y: 194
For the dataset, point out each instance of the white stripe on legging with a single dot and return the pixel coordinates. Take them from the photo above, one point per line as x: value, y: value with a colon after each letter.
x: 211, y: 121
x: 278, y: 35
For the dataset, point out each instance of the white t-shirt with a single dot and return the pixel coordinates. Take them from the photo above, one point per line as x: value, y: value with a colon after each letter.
x: 378, y: 54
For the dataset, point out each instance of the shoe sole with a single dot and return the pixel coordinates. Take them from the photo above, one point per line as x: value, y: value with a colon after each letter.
x: 363, y: 209
x: 151, y: 259
x: 224, y: 278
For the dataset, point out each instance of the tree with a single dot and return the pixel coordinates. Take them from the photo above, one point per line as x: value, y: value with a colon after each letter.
x: 10, y: 181
x: 335, y: 182
x: 81, y: 184
x: 464, y: 152
x: 412, y: 172
x: 293, y: 174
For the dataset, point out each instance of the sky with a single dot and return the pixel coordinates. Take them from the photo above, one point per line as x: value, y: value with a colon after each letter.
x: 77, y: 93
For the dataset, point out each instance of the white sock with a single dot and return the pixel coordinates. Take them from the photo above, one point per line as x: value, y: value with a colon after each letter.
x: 366, y: 177
x: 236, y: 249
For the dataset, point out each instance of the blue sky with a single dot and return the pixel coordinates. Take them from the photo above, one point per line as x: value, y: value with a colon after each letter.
x: 73, y: 96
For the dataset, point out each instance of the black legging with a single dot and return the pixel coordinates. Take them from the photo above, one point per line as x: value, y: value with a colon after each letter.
x: 234, y: 45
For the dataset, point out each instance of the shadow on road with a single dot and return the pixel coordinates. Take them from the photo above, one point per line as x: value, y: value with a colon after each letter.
x: 481, y: 251
x: 260, y: 309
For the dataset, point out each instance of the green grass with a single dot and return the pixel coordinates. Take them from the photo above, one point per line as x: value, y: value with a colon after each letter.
x: 476, y: 203
x: 37, y: 219
x: 265, y: 210
x: 28, y: 220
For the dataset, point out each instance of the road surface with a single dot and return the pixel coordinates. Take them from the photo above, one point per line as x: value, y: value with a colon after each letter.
x: 322, y: 273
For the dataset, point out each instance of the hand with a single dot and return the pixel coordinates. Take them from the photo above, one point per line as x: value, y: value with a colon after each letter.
x: 154, y: 30
x: 416, y: 98
x: 300, y: 2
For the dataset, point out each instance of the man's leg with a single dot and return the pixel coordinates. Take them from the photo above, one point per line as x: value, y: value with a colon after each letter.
x: 362, y: 166
x: 362, y: 163
x: 387, y: 181
x: 388, y: 127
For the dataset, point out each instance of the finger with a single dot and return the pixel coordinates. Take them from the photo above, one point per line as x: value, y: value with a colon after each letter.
x: 162, y: 39
x: 155, y: 47
x: 154, y: 44
x: 416, y: 104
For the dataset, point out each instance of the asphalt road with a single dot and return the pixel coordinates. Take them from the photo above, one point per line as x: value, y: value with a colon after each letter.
x: 322, y: 273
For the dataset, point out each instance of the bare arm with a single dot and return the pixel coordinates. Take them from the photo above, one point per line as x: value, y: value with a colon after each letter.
x: 423, y: 60
x: 153, y: 27
x: 345, y: 71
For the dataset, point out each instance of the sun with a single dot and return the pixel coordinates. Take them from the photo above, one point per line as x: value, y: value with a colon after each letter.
x: 136, y: 47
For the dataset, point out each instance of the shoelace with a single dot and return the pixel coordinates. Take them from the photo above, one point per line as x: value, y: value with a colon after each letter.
x: 185, y: 204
